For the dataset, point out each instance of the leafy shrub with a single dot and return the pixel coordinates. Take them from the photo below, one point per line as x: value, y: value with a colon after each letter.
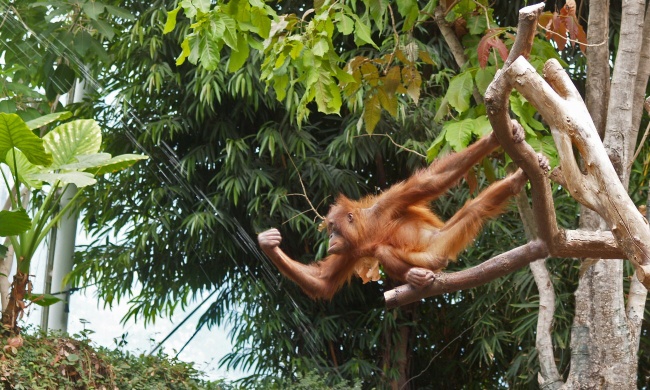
x: 53, y: 361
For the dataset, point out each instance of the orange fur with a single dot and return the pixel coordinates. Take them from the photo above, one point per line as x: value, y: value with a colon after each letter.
x: 397, y: 229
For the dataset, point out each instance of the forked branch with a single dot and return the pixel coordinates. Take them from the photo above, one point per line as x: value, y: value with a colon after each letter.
x: 596, y: 186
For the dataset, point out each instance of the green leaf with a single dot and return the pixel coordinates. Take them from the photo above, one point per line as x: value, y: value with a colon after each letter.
x: 3, y: 253
x: 202, y: 5
x: 525, y: 112
x: 280, y: 84
x: 209, y: 52
x: 87, y: 161
x: 321, y: 47
x: 120, y: 12
x: 116, y: 163
x: 70, y: 140
x: 238, y: 57
x: 482, y: 126
x: 484, y: 77
x: 47, y: 119
x: 170, y: 24
x: 546, y: 146
x: 230, y: 33
x: 362, y: 34
x: 328, y: 95
x: 344, y: 23
x: 261, y: 22
x: 409, y: 10
x: 62, y: 80
x: 460, y: 91
x: 103, y: 28
x: 93, y: 9
x: 24, y: 168
x: 14, y: 133
x: 101, y: 163
x: 8, y: 106
x: 477, y: 24
x: 188, y: 8
x: 185, y: 52
x: 13, y: 223
x: 46, y: 300
x: 459, y: 133
x: 80, y: 179
x: 437, y: 143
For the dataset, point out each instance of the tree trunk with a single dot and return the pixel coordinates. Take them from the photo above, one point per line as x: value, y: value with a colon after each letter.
x: 604, y: 337
x: 16, y: 304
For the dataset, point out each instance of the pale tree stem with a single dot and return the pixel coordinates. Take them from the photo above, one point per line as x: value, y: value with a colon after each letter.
x: 636, y: 300
x: 598, y: 71
x: 641, y: 82
x: 638, y: 293
x: 549, y: 377
x: 5, y: 267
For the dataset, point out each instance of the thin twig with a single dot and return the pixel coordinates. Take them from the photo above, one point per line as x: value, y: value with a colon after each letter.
x: 392, y: 55
x: 305, y: 212
x: 302, y: 184
x: 394, y: 143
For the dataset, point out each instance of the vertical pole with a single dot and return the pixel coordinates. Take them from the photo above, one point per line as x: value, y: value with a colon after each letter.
x: 60, y: 257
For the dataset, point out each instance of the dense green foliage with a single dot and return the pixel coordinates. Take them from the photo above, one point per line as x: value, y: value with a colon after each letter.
x: 228, y: 159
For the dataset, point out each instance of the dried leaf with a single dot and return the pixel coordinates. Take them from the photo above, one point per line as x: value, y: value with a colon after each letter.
x: 392, y: 80
x: 368, y: 269
x: 491, y: 40
x: 412, y: 81
x: 371, y: 112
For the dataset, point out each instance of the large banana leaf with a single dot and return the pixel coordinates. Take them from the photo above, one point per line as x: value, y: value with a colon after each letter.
x: 101, y: 163
x: 80, y: 179
x: 47, y: 119
x: 25, y: 168
x: 116, y: 163
x: 71, y: 140
x: 14, y: 133
x: 14, y: 222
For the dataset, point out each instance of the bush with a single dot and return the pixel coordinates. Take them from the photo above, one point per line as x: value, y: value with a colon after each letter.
x: 53, y: 361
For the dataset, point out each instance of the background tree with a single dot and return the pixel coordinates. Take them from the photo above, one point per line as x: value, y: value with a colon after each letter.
x: 40, y: 161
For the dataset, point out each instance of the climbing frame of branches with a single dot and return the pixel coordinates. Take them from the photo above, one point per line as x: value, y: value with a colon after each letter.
x: 594, y: 183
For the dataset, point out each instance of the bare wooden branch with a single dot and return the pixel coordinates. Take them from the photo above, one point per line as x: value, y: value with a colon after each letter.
x: 570, y: 243
x: 586, y: 243
x: 550, y: 376
x: 456, y: 47
x: 598, y: 186
x: 450, y: 37
x: 526, y: 29
x: 497, y: 103
x: 487, y: 271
